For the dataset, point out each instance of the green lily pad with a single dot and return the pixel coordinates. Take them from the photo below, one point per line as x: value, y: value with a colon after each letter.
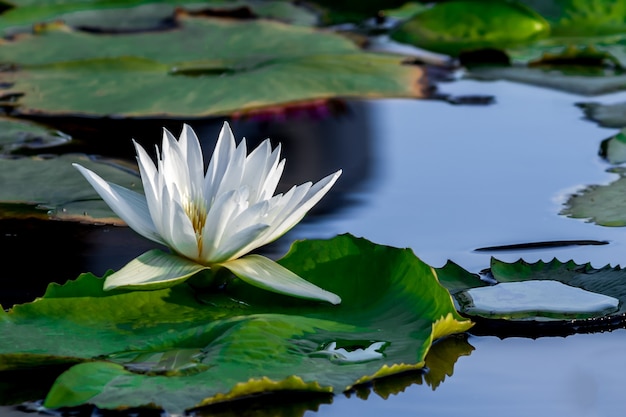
x: 613, y: 149
x: 141, y: 15
x: 16, y: 135
x: 465, y: 25
x: 225, y: 67
x: 178, y: 349
x: 527, y: 312
x: 582, y: 17
x: 601, y: 204
x: 57, y: 190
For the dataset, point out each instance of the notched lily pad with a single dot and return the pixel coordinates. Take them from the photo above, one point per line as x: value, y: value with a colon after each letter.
x: 57, y: 190
x: 542, y: 298
x: 601, y: 204
x: 179, y: 350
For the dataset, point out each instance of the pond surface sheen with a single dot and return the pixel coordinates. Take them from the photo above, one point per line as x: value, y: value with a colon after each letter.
x: 450, y: 179
x: 445, y: 180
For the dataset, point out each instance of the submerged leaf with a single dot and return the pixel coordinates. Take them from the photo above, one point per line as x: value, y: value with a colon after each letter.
x: 179, y: 349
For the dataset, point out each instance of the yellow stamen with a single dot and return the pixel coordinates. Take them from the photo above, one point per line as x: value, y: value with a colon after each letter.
x: 196, y: 210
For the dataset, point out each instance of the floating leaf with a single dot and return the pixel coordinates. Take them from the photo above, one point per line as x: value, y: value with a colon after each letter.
x: 141, y: 15
x: 16, y: 135
x: 179, y: 349
x: 608, y: 283
x: 601, y: 204
x: 576, y: 81
x: 59, y: 192
x: 582, y: 17
x: 613, y: 149
x: 225, y: 67
x: 465, y: 25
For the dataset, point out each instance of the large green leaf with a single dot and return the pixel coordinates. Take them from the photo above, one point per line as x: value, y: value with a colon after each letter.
x: 205, y: 67
x: 465, y: 25
x: 582, y: 17
x: 180, y: 349
x: 601, y: 204
x: 57, y: 190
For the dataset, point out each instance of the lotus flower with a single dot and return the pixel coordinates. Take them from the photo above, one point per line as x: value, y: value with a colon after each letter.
x: 211, y: 220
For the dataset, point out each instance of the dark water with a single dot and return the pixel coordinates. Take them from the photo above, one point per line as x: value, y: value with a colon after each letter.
x: 443, y: 180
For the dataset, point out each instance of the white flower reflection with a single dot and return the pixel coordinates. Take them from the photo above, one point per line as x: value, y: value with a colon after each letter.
x: 211, y: 220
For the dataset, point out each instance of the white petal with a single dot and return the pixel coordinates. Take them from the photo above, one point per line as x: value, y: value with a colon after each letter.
x: 176, y: 228
x: 231, y: 245
x: 153, y: 270
x: 313, y: 196
x: 233, y: 175
x: 190, y: 145
x: 266, y: 274
x: 257, y: 167
x: 271, y: 182
x: 150, y: 180
x: 217, y: 221
x: 174, y: 166
x: 129, y: 205
x: 224, y: 149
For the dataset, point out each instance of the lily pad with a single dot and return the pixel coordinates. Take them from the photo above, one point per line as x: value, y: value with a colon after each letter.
x: 529, y: 313
x: 465, y: 25
x: 57, y: 190
x: 16, y: 135
x: 601, y: 204
x: 536, y: 299
x: 582, y: 17
x: 577, y: 81
x: 225, y: 67
x: 613, y: 149
x: 115, y: 16
x: 179, y: 349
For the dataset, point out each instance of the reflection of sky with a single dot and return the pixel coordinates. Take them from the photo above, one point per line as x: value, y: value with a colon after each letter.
x: 581, y: 375
x: 454, y: 178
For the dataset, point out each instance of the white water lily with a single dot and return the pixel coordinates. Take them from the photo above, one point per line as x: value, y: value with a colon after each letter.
x: 211, y: 220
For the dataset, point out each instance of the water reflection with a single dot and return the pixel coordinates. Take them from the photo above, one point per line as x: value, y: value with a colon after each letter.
x: 315, y: 144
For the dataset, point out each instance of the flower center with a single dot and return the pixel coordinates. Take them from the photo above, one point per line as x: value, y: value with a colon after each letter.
x: 196, y: 210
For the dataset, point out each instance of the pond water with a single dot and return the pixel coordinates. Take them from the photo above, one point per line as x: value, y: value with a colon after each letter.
x: 451, y: 179
x: 445, y: 180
